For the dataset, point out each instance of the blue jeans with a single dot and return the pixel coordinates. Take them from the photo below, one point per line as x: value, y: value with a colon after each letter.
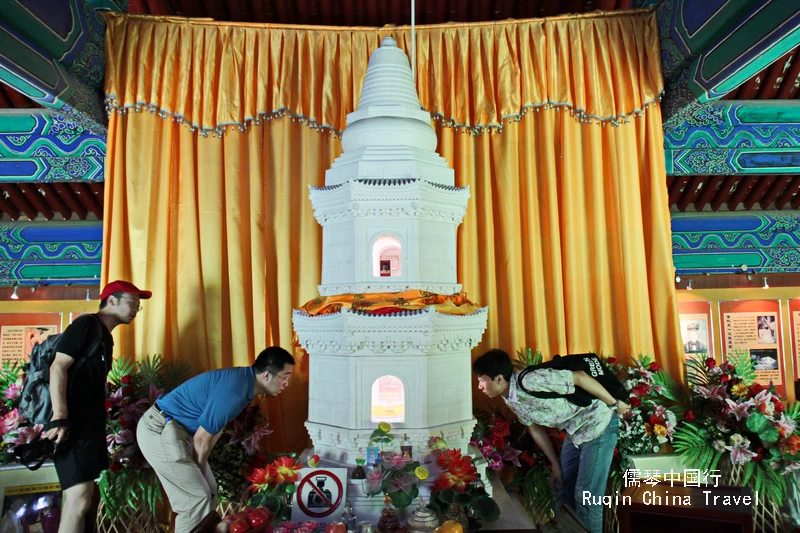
x: 585, y: 468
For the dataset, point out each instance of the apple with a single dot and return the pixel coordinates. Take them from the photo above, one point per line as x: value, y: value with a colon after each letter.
x: 240, y: 526
x: 259, y: 517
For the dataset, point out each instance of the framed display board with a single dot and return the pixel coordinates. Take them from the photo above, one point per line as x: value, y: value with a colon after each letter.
x: 20, y: 332
x: 794, y: 331
x: 754, y: 326
x: 29, y: 500
x: 696, y: 329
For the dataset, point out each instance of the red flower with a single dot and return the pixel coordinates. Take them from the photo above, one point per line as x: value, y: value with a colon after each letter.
x: 656, y: 420
x: 460, y: 474
x: 284, y: 470
x: 689, y: 416
x: 127, y: 390
x: 611, y: 360
x: 447, y: 457
x: 778, y: 404
x: 115, y: 467
x: 724, y: 378
x: 125, y: 422
x: 641, y: 390
x: 654, y: 367
x: 109, y: 405
x: 711, y: 362
x: 616, y: 453
x: 755, y: 389
x: 498, y: 442
x: 759, y: 454
x: 126, y: 379
x: 501, y: 427
x: 634, y: 401
x: 527, y: 458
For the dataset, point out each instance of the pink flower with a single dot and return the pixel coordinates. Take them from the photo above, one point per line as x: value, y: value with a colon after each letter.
x: 716, y: 392
x: 251, y: 443
x: 740, y: 410
x: 26, y: 434
x: 155, y: 393
x: 10, y: 422
x: 374, y: 482
x: 402, y: 482
x: 740, y: 450
x: 512, y: 456
x: 12, y: 392
x: 124, y: 437
x: 398, y: 462
x: 763, y: 401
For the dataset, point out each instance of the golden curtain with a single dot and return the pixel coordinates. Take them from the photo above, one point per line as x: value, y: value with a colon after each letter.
x: 567, y: 233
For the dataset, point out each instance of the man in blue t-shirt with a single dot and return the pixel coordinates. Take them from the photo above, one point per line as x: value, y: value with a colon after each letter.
x: 177, y: 433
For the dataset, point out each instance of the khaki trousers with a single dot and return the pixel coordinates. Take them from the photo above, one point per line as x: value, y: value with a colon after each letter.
x: 168, y: 448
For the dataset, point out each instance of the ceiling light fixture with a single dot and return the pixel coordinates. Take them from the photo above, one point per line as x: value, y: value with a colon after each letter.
x: 88, y: 298
x: 766, y: 285
x: 14, y: 295
x: 689, y: 286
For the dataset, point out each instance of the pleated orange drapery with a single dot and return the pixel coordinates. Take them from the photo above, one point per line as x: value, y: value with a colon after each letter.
x: 567, y: 234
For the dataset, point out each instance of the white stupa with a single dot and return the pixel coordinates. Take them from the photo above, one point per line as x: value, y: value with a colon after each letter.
x: 389, y: 213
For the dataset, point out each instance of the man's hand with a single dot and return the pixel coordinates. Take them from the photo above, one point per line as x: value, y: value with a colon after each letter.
x: 556, y: 481
x: 58, y: 434
x: 622, y: 408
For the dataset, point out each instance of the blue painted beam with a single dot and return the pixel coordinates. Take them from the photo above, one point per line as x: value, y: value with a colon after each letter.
x: 766, y: 242
x: 736, y: 137
x: 37, y: 145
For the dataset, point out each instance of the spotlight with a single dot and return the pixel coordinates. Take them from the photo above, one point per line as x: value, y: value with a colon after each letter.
x: 766, y: 285
x: 14, y: 295
x: 677, y: 279
x: 88, y: 298
x: 689, y: 286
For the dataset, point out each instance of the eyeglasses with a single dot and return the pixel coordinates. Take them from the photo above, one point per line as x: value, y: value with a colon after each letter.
x: 133, y: 303
x: 284, y: 379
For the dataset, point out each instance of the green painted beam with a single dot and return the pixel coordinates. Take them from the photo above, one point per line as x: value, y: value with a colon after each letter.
x: 736, y: 137
x: 764, y: 34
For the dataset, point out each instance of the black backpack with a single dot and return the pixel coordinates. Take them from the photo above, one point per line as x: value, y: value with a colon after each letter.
x: 589, y: 363
x: 35, y: 404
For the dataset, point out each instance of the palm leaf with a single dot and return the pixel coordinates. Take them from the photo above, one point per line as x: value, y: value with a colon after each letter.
x: 538, y: 497
x: 694, y: 446
x: 151, y: 370
x: 697, y: 372
x: 676, y: 394
x: 9, y: 373
x: 527, y: 357
x: 120, y: 368
x: 769, y: 483
x: 793, y: 411
x: 175, y: 373
x: 741, y: 360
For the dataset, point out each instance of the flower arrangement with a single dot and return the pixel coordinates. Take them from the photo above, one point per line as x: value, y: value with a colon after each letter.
x: 460, y: 483
x: 650, y: 424
x: 236, y: 452
x: 14, y: 429
x: 491, y: 436
x: 746, y: 423
x: 397, y: 475
x: 272, y: 486
x: 132, y: 389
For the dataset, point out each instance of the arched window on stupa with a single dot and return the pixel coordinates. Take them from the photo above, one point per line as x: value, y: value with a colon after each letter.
x: 386, y: 254
x: 388, y: 400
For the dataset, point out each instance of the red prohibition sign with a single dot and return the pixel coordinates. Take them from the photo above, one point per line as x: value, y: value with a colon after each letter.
x: 331, y: 506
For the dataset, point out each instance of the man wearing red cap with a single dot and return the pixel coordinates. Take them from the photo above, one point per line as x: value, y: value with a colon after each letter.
x: 78, y: 394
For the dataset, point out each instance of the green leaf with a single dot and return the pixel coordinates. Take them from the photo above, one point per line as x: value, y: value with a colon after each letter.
x: 486, y: 509
x: 463, y: 499
x: 743, y: 363
x: 447, y: 496
x: 400, y: 499
x: 769, y: 435
x: 757, y: 423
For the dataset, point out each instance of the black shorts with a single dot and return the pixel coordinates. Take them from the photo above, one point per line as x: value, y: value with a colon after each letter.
x: 84, y: 456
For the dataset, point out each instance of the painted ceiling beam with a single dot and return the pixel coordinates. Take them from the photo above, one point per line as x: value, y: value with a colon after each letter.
x: 52, y: 52
x: 736, y: 137
x: 765, y: 33
x: 38, y: 145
